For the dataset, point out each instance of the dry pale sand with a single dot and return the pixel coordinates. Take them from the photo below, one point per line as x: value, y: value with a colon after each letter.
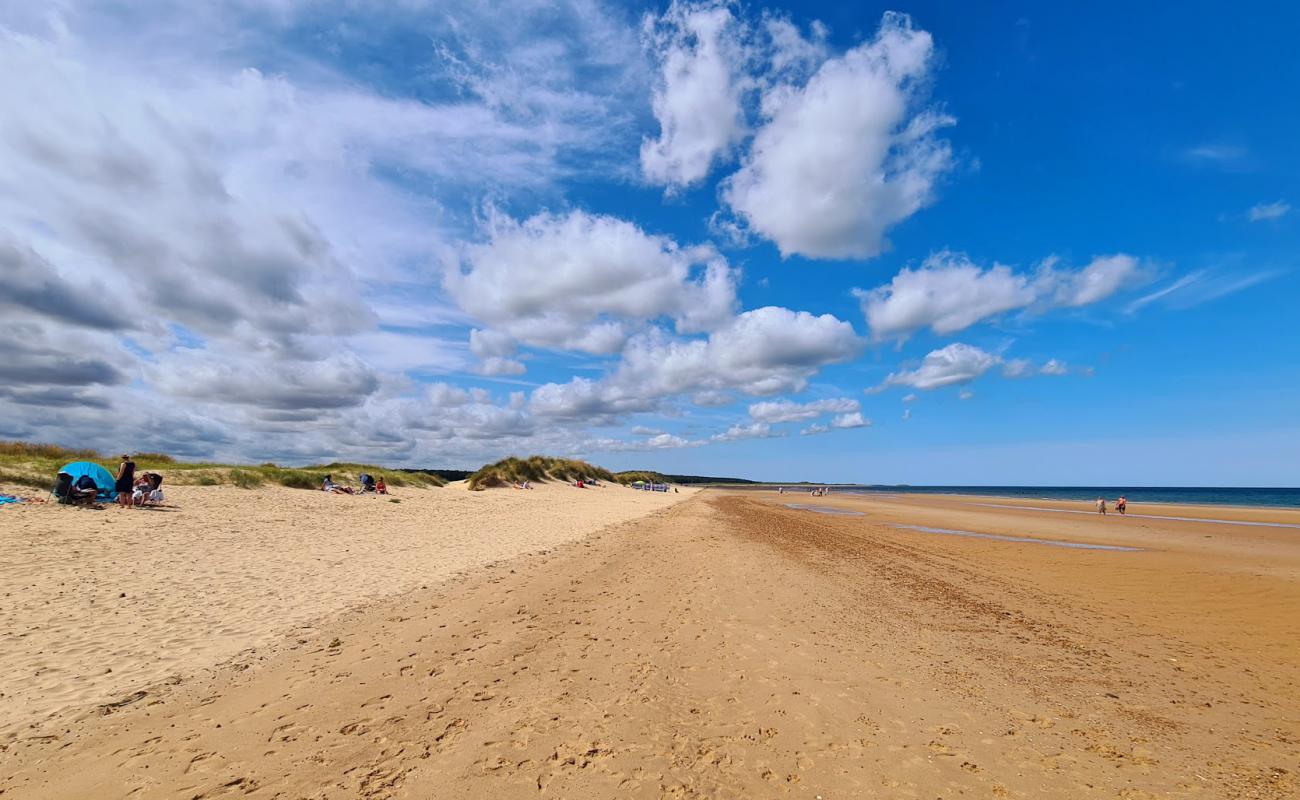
x: 728, y: 647
x: 97, y: 605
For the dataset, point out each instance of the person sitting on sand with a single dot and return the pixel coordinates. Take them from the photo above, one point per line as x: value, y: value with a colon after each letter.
x: 84, y: 490
x: 1121, y: 505
x: 380, y: 486
x: 1101, y: 505
x: 328, y: 485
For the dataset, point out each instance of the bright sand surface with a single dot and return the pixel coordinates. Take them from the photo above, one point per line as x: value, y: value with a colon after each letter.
x: 98, y: 604
x: 729, y: 647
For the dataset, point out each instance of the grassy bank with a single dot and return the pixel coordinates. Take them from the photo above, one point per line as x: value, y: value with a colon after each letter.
x: 35, y: 465
x: 536, y: 469
x: 632, y: 476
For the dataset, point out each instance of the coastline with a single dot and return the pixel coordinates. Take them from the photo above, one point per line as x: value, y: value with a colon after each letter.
x: 1222, y: 511
x: 990, y: 492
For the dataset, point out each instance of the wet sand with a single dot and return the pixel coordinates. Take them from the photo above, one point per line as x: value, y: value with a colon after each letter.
x: 729, y: 646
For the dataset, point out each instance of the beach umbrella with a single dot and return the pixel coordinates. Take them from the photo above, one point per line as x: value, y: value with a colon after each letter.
x: 102, y: 477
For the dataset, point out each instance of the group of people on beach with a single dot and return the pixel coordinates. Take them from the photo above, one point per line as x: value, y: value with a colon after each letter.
x: 1121, y: 505
x: 146, y: 488
x: 132, y: 490
x: 369, y: 485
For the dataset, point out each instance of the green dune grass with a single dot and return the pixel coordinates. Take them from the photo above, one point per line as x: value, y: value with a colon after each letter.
x: 33, y: 464
x: 632, y: 476
x: 536, y: 469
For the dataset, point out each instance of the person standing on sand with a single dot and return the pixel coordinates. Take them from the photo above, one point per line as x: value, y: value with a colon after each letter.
x: 1101, y: 505
x: 1121, y: 505
x: 125, y: 481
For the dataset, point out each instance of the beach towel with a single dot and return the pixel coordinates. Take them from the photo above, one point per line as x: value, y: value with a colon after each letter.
x: 6, y: 499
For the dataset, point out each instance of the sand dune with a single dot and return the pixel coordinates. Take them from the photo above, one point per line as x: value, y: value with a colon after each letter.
x: 728, y: 647
x: 99, y: 605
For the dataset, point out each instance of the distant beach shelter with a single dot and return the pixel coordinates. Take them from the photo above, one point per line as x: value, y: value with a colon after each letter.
x: 102, y: 477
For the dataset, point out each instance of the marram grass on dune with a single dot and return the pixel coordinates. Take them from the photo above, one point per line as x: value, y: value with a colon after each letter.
x: 632, y: 476
x: 536, y: 469
x: 31, y: 464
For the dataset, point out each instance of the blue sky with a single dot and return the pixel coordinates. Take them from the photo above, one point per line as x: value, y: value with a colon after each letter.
x: 926, y: 243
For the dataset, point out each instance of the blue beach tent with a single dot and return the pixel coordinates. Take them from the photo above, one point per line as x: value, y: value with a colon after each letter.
x: 102, y: 477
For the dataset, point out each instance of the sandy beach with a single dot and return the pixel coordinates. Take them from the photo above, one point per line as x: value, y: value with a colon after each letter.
x: 101, y: 604
x: 633, y: 646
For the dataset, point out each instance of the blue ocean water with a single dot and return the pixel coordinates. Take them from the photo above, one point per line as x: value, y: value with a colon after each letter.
x: 1205, y: 495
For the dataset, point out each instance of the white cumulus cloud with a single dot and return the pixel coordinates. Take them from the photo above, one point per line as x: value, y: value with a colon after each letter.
x: 1024, y: 368
x: 1103, y: 277
x: 952, y: 365
x: 585, y: 282
x: 761, y: 352
x: 853, y: 420
x: 756, y: 430
x: 848, y: 154
x: 776, y: 411
x: 949, y: 293
x: 201, y: 218
x: 697, y: 100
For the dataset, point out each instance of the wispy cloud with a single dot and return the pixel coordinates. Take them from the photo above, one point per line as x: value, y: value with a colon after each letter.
x: 1268, y: 211
x: 1176, y: 286
x: 1201, y: 287
x: 1217, y: 153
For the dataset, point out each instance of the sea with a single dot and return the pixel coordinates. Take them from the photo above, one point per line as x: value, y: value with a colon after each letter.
x: 1204, y: 495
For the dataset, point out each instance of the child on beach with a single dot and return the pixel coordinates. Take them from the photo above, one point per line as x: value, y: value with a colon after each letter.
x: 380, y: 486
x: 1121, y: 505
x: 1101, y: 505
